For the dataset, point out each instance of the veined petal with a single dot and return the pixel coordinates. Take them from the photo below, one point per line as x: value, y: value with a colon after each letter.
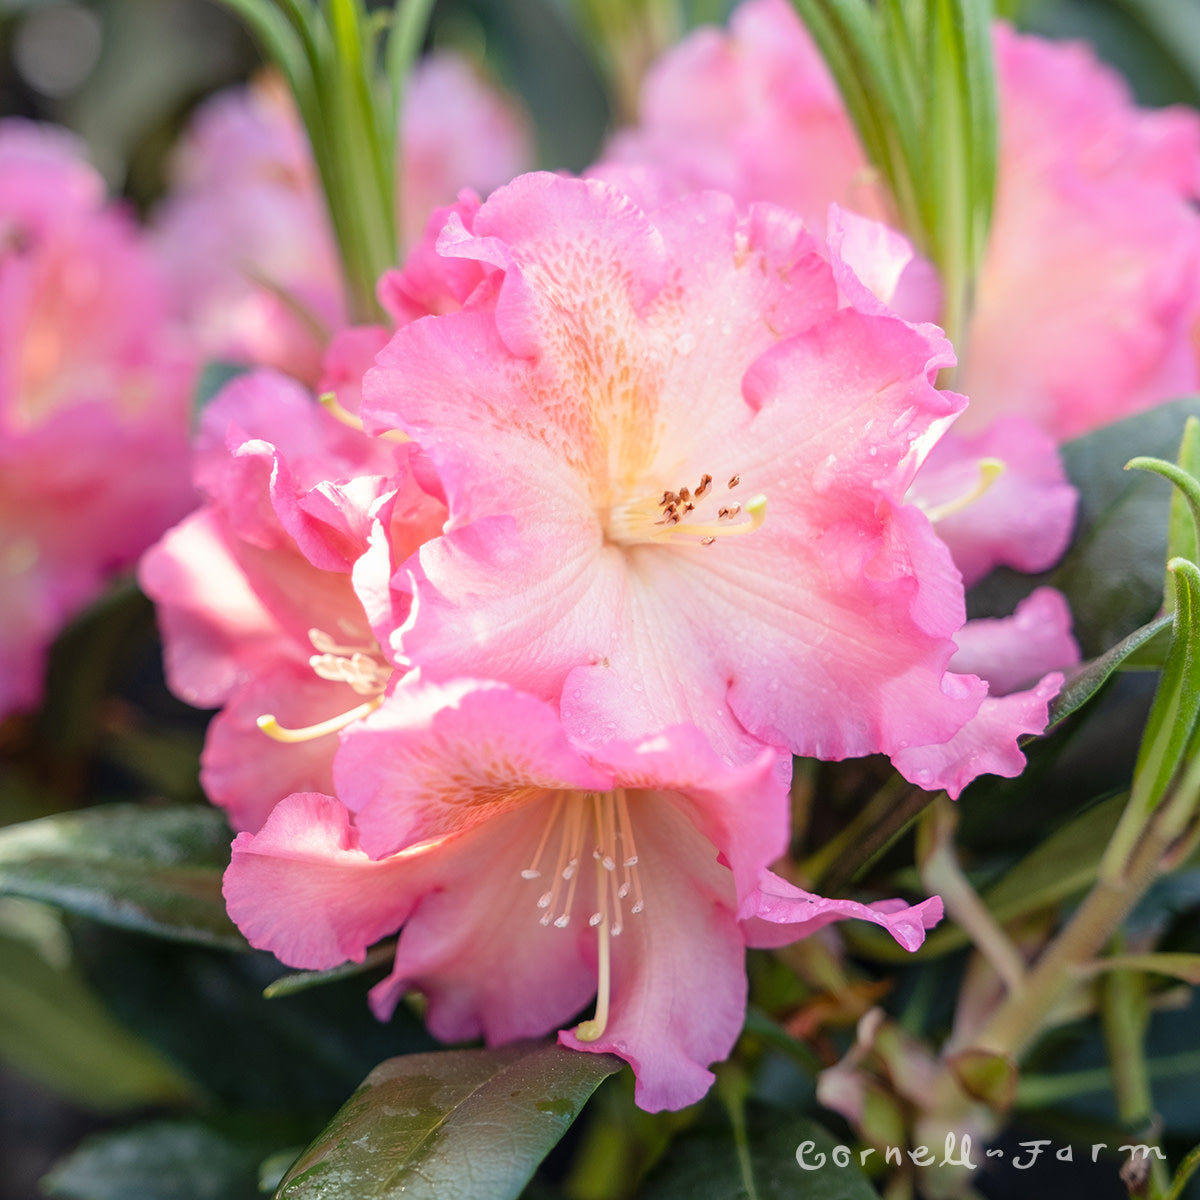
x: 436, y: 760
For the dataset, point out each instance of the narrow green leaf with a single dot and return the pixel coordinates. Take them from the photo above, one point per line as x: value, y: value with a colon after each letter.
x: 1183, y: 538
x: 1188, y: 485
x: 54, y: 1029
x: 1177, y: 702
x: 1187, y: 1169
x: 1089, y: 678
x: 160, y: 1160
x: 472, y: 1124
x: 1178, y: 966
x: 301, y: 981
x: 704, y: 1163
x: 153, y: 869
x: 277, y: 37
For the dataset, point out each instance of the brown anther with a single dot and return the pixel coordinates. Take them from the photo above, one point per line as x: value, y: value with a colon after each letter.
x: 734, y: 480
x: 703, y: 486
x: 707, y: 541
x: 687, y: 508
x: 668, y: 498
x: 684, y: 495
x: 727, y: 512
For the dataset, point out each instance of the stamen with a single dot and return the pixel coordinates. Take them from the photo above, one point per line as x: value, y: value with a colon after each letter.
x: 329, y: 402
x: 990, y: 469
x: 279, y: 733
x: 531, y: 871
x: 734, y: 480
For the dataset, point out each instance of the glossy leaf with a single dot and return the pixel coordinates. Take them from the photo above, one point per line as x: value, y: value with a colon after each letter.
x: 704, y: 1164
x: 472, y: 1124
x: 153, y: 869
x: 160, y: 1160
x: 301, y: 981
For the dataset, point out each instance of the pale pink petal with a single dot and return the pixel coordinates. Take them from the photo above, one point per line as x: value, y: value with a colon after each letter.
x: 781, y: 913
x: 1014, y: 652
x: 303, y: 889
x: 1025, y: 517
x: 989, y: 744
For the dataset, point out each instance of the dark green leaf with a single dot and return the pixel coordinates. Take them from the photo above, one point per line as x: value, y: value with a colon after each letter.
x: 467, y: 1124
x: 161, y: 1160
x: 704, y: 1164
x: 1113, y: 573
x: 302, y: 1054
x: 153, y: 869
x: 54, y: 1029
x: 1091, y: 677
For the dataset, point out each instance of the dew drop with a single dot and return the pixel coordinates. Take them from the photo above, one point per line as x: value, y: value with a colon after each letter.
x: 823, y: 474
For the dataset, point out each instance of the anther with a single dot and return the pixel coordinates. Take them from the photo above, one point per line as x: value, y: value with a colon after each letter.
x: 734, y: 480
x: 703, y: 486
x: 707, y: 541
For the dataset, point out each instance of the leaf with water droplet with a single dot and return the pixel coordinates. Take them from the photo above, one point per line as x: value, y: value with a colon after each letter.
x: 472, y: 1124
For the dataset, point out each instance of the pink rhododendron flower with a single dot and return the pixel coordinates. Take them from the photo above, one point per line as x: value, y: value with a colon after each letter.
x: 246, y: 231
x: 256, y: 594
x: 94, y: 398
x: 675, y: 461
x: 528, y: 873
x: 1091, y: 284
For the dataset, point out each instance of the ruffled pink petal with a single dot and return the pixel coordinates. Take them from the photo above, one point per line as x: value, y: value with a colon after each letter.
x: 1013, y: 652
x: 874, y: 262
x: 302, y: 888
x: 438, y: 760
x: 1025, y: 517
x: 781, y: 913
x: 589, y: 356
x: 216, y: 630
x: 986, y: 745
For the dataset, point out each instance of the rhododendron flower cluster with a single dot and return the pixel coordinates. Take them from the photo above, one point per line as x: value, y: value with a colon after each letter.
x: 253, y: 264
x: 94, y: 396
x: 674, y: 451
